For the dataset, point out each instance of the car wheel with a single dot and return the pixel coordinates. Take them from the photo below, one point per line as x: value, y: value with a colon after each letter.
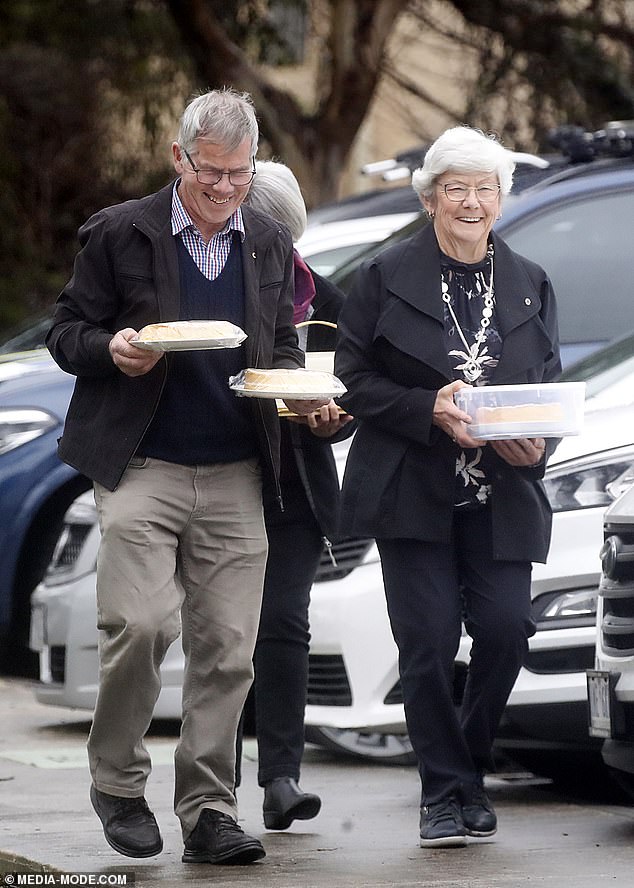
x: 624, y: 781
x: 388, y: 749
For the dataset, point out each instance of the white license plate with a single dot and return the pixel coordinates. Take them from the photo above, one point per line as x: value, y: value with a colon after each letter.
x: 600, y: 703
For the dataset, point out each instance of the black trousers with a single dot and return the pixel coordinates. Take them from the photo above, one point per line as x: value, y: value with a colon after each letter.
x: 430, y: 589
x: 281, y: 653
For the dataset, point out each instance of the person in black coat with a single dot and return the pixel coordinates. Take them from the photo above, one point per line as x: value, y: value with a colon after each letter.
x: 297, y: 535
x: 457, y: 521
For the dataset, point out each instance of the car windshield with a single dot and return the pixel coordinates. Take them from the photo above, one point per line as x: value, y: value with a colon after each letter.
x: 343, y: 274
x: 27, y: 338
x: 607, y: 373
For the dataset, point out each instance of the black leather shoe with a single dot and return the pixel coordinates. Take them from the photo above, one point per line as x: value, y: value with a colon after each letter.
x: 478, y: 813
x: 284, y: 802
x: 128, y: 824
x: 217, y: 838
x: 441, y: 824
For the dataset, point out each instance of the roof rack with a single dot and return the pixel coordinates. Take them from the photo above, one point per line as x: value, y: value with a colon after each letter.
x: 615, y: 139
x: 402, y: 165
x: 576, y: 144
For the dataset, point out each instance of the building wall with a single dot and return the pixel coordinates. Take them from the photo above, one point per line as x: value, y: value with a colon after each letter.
x: 397, y: 121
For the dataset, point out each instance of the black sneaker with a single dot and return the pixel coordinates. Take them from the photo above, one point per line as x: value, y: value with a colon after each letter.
x: 128, y: 824
x: 217, y: 838
x: 441, y: 824
x: 478, y: 813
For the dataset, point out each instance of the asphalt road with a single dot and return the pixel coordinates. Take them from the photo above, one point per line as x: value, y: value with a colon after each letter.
x: 366, y: 834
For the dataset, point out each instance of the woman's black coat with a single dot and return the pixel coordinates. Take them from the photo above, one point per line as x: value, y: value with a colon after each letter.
x: 391, y: 354
x: 309, y: 471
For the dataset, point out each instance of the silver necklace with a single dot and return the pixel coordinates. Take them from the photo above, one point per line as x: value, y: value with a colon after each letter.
x: 474, y: 356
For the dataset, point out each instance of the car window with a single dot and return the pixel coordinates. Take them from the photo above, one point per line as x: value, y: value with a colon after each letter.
x: 344, y: 273
x: 326, y: 262
x: 29, y: 337
x: 586, y: 247
x: 608, y: 374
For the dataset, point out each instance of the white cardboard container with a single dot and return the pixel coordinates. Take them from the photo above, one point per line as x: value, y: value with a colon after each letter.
x: 546, y: 410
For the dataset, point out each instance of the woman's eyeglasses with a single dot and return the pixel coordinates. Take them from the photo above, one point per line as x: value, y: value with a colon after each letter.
x: 458, y: 193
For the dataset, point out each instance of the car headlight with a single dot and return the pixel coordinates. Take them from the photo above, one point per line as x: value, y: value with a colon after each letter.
x: 578, y: 606
x: 19, y: 425
x: 588, y: 483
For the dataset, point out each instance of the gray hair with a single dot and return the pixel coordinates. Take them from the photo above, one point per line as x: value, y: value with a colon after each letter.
x: 276, y: 191
x: 464, y: 150
x: 222, y: 116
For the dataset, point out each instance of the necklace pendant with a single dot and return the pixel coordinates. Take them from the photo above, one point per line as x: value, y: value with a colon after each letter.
x: 472, y: 371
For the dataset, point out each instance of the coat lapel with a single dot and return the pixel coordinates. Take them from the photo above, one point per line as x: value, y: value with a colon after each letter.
x: 518, y: 303
x: 258, y: 237
x: 156, y: 222
x: 413, y: 320
x: 251, y: 288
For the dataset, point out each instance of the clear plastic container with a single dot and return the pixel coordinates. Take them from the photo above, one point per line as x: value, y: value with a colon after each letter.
x: 547, y: 410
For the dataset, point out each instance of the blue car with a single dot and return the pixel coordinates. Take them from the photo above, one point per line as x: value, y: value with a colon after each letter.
x: 576, y: 224
x: 36, y: 488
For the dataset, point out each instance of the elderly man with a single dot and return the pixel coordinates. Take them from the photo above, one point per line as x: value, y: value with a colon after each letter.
x: 178, y: 463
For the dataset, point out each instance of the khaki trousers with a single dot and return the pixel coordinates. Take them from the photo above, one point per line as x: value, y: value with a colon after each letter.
x: 179, y: 544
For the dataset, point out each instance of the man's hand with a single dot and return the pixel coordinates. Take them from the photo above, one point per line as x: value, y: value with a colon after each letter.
x: 128, y: 358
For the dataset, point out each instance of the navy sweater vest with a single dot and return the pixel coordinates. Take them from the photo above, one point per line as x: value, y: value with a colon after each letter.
x: 199, y: 420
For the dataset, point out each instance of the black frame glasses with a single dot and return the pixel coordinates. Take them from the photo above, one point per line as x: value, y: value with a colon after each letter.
x: 212, y: 177
x: 457, y: 193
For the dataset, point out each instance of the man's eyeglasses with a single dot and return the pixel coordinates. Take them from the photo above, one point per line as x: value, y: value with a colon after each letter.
x: 458, y: 193
x: 211, y: 176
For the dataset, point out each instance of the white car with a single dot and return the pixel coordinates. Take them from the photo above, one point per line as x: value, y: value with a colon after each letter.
x: 327, y: 245
x: 354, y: 699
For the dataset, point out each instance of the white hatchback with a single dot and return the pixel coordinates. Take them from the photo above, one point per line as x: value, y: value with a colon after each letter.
x: 327, y: 245
x: 354, y: 698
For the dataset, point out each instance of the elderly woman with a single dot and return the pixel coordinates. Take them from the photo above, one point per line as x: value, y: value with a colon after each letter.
x: 296, y: 535
x: 457, y: 521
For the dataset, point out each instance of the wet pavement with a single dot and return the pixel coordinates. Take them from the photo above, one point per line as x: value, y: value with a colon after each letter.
x: 365, y: 835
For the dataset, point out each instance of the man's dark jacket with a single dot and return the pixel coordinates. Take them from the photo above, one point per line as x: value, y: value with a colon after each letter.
x: 126, y: 275
x: 400, y: 474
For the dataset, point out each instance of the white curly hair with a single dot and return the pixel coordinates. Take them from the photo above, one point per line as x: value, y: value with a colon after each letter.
x: 464, y: 149
x: 276, y: 191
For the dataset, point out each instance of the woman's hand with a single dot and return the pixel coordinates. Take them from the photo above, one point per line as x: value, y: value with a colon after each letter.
x: 325, y: 422
x: 450, y: 419
x: 304, y: 407
x: 520, y: 451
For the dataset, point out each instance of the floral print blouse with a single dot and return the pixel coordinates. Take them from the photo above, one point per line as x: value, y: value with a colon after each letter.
x: 466, y: 287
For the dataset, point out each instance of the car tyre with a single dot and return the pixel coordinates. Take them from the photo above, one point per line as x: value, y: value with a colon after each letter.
x: 386, y: 749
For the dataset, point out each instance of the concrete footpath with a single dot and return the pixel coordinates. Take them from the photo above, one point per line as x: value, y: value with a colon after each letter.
x: 366, y: 834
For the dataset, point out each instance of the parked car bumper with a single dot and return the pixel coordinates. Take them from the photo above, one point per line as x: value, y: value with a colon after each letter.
x: 354, y: 660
